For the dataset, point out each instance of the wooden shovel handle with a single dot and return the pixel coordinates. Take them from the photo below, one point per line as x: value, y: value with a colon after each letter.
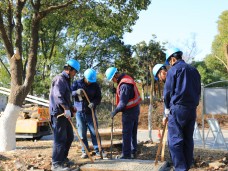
x: 160, y: 144
x: 80, y: 140
x: 95, y: 126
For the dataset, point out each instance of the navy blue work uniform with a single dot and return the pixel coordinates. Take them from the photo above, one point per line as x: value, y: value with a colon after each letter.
x: 130, y: 117
x: 60, y: 96
x: 181, y: 95
x: 84, y: 117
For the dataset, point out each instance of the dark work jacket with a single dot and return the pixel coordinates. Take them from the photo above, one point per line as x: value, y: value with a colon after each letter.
x: 126, y: 93
x: 93, y: 92
x: 60, y: 94
x: 182, y: 86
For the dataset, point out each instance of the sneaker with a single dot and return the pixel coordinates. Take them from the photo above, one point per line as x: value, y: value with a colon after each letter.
x: 58, y: 167
x: 104, y: 155
x: 97, y: 154
x: 84, y: 156
x: 123, y: 157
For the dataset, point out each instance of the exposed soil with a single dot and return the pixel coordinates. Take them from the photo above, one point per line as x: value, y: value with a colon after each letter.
x: 32, y: 155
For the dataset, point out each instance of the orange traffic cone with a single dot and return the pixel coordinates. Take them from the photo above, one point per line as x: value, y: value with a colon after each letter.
x: 159, y: 134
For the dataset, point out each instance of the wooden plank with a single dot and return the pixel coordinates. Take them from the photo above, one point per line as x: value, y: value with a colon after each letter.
x: 29, y: 98
x: 26, y: 126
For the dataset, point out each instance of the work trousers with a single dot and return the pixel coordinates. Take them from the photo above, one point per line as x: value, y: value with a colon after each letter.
x: 63, y: 137
x: 181, y: 123
x: 84, y: 121
x: 130, y: 119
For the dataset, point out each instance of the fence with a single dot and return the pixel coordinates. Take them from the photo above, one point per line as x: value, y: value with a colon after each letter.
x: 214, y: 101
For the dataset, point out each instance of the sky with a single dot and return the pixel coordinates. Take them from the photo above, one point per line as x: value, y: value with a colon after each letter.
x: 176, y: 21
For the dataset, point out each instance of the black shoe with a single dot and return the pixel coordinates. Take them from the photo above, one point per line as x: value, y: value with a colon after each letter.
x: 68, y: 162
x: 58, y: 167
x: 123, y: 157
x: 133, y: 155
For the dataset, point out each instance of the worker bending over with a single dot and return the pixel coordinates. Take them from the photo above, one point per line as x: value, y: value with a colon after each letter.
x: 127, y: 101
x: 84, y: 117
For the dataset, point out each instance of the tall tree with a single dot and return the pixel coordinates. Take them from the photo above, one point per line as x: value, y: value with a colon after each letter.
x: 215, y: 65
x: 117, y: 16
x: 220, y: 43
x: 148, y: 56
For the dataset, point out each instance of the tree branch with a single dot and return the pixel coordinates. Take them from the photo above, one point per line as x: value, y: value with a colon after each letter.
x: 226, y: 54
x: 43, y: 13
x: 5, y: 38
x: 5, y: 66
x: 222, y: 62
x: 19, y: 28
x: 10, y: 20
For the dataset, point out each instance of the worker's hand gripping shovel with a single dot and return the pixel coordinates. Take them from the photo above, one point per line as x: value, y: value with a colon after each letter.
x: 80, y: 140
x: 161, y: 144
x: 95, y: 126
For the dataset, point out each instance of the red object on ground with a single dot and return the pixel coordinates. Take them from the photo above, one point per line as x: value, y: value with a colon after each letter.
x: 159, y: 134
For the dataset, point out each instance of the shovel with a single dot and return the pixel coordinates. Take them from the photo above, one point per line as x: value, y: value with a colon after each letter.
x: 160, y: 144
x: 95, y: 126
x: 80, y: 140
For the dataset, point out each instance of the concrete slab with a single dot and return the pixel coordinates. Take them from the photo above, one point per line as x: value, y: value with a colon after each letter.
x: 124, y: 165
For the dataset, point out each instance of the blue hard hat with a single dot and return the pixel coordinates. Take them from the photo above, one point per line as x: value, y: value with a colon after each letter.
x: 110, y: 72
x: 156, y: 68
x: 74, y: 64
x: 91, y: 75
x: 170, y: 52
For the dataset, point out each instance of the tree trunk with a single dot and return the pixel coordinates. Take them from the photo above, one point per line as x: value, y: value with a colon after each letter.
x: 150, y: 109
x: 7, y: 127
x: 143, y: 93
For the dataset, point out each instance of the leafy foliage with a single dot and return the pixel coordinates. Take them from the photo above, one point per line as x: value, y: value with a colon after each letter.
x: 215, y: 66
x: 147, y: 56
x: 4, y: 75
x: 88, y: 31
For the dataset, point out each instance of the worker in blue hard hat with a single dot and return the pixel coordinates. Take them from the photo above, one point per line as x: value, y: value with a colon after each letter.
x: 84, y: 119
x: 127, y: 101
x: 181, y: 97
x: 159, y: 72
x: 60, y: 103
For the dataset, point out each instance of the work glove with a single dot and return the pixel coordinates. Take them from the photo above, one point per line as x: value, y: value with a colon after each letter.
x: 74, y: 93
x: 113, y: 113
x: 67, y: 114
x: 167, y: 111
x: 80, y: 92
x: 91, y: 105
